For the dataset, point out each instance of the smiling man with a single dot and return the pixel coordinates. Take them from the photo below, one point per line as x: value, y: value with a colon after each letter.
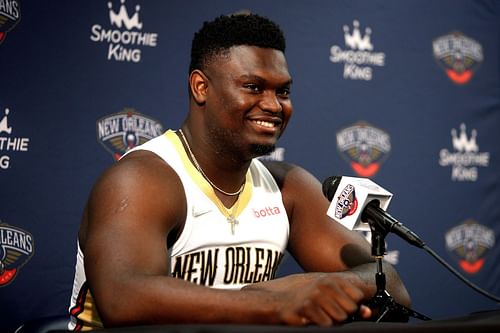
x: 190, y: 227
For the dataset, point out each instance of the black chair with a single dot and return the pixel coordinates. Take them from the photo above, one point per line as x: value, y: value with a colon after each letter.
x: 44, y: 325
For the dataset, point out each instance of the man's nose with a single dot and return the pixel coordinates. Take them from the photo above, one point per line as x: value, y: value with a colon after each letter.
x: 270, y: 102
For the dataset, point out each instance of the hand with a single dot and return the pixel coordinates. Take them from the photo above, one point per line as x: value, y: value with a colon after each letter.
x: 323, y: 299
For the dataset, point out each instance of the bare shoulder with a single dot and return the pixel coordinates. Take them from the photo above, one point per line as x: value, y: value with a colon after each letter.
x: 291, y: 178
x: 139, y: 174
x: 140, y: 187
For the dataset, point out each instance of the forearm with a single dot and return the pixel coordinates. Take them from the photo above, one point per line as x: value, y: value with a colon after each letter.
x: 165, y: 300
x: 361, y: 276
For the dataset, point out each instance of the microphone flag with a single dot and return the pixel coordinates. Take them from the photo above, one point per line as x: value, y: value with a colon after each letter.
x: 351, y: 196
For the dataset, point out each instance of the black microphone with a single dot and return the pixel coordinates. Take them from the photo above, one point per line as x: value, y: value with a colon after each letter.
x: 357, y: 200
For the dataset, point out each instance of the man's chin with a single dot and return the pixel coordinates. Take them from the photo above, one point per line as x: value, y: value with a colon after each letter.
x: 261, y: 150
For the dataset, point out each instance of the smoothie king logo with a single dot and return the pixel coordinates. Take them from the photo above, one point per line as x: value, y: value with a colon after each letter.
x: 470, y: 242
x: 125, y: 43
x: 365, y: 147
x: 8, y: 142
x: 360, y: 58
x: 16, y: 249
x: 466, y: 157
x: 459, y: 56
x: 122, y: 131
x: 10, y: 15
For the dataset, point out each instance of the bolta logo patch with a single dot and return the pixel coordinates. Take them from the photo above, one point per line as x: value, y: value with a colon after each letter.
x: 265, y: 212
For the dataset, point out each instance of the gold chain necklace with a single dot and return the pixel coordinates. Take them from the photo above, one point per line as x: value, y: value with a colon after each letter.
x: 198, y: 167
x: 229, y: 213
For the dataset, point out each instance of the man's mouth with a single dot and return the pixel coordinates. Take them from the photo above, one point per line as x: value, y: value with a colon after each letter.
x: 266, y: 124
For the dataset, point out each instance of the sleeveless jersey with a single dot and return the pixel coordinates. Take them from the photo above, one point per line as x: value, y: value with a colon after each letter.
x: 218, y: 247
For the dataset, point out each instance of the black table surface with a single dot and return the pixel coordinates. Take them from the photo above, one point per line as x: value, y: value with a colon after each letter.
x: 478, y: 322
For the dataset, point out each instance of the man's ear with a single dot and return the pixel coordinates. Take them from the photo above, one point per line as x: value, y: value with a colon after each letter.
x: 198, y: 83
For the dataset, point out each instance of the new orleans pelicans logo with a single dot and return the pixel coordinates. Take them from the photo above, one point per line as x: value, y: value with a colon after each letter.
x: 470, y: 242
x: 365, y: 147
x: 122, y: 131
x: 10, y: 15
x: 459, y: 56
x: 16, y: 249
x: 347, y: 204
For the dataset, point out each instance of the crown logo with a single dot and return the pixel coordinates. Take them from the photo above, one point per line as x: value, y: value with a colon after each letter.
x: 4, y: 127
x: 354, y: 40
x: 462, y: 143
x: 122, y: 17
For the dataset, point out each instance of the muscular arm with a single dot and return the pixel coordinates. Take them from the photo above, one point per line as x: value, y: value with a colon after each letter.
x: 140, y: 201
x: 131, y: 210
x: 321, y: 245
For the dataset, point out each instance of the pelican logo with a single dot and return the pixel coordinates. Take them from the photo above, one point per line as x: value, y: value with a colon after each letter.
x: 16, y: 249
x: 459, y: 56
x: 347, y: 204
x: 122, y: 131
x: 10, y: 15
x: 470, y: 242
x: 365, y: 147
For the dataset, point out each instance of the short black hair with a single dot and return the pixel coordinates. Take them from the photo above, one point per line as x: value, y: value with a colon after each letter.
x: 217, y: 36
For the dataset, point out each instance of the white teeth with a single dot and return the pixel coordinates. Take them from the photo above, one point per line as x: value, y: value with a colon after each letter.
x: 264, y: 123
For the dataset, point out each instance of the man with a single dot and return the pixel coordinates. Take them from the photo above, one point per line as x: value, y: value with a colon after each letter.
x: 190, y: 227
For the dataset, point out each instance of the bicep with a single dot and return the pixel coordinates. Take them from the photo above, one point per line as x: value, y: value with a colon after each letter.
x: 129, y: 216
x: 316, y: 241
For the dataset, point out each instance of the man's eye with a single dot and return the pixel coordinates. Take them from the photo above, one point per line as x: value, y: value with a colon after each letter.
x: 252, y: 87
x: 284, y: 92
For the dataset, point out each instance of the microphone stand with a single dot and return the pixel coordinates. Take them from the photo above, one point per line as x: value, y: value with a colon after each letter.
x: 386, y: 308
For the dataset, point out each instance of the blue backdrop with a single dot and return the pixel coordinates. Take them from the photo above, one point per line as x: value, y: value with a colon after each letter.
x: 406, y: 93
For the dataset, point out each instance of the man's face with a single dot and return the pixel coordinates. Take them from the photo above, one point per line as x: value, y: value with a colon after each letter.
x: 248, y: 104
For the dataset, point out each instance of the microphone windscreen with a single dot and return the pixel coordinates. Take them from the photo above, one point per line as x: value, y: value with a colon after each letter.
x: 330, y: 186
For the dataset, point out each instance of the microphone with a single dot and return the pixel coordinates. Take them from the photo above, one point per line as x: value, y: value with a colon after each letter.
x: 359, y: 204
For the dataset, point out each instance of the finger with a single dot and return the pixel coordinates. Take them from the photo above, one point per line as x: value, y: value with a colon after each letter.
x: 353, y: 292
x: 343, y: 301
x: 333, y: 303
x: 365, y: 312
x: 305, y: 321
x: 314, y: 313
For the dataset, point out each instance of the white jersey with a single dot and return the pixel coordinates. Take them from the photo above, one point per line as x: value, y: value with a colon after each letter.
x: 218, y: 247
x: 211, y: 251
